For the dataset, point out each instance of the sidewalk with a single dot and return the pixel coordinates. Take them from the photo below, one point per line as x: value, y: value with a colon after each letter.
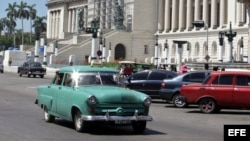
x: 13, y: 69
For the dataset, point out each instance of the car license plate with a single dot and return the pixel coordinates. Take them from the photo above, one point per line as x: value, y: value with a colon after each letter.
x: 122, y: 122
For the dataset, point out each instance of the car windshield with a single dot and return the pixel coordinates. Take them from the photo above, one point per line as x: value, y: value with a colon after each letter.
x: 82, y: 79
x: 35, y: 64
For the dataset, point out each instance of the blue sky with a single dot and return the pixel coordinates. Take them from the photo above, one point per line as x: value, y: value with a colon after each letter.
x: 40, y: 7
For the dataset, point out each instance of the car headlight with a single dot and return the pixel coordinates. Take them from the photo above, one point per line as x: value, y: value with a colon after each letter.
x: 147, y: 101
x: 91, y: 100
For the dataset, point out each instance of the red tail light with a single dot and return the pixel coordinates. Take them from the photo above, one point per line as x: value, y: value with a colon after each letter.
x: 163, y: 84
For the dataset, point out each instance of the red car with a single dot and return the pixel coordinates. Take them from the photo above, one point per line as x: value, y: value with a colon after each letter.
x: 221, y: 89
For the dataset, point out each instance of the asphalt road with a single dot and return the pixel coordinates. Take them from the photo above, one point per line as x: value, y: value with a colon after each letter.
x: 22, y: 120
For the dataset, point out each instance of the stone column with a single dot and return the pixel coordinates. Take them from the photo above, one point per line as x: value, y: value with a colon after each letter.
x: 189, y: 19
x: 222, y: 12
x: 36, y: 59
x: 205, y: 11
x: 214, y: 14
x: 49, y: 21
x: 52, y: 24
x: 69, y: 20
x: 174, y: 15
x: 197, y: 10
x: 58, y: 23
x: 160, y: 15
x: 55, y: 24
x: 182, y: 15
x: 239, y: 17
x: 167, y: 16
x: 231, y: 12
x: 73, y: 20
x: 156, y: 58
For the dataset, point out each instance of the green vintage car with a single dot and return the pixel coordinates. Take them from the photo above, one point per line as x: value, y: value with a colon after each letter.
x: 88, y: 94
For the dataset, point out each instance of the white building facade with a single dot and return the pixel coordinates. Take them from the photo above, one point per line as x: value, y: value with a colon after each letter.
x: 169, y: 19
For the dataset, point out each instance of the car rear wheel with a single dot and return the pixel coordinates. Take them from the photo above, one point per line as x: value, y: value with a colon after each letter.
x: 207, y: 105
x: 41, y: 76
x: 80, y: 125
x: 28, y: 75
x: 139, y: 126
x: 20, y: 74
x: 178, y: 102
x: 47, y: 116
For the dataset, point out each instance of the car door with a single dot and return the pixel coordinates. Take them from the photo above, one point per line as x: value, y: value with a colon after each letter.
x: 63, y: 95
x: 241, y: 94
x: 222, y: 89
x: 153, y: 83
x: 137, y: 81
x: 55, y: 90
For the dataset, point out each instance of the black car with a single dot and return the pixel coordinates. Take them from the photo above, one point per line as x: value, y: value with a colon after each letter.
x: 31, y: 69
x: 148, y: 81
x: 170, y: 88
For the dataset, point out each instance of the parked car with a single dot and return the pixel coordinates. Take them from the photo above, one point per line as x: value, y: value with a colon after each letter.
x: 148, y: 81
x: 1, y: 68
x: 86, y: 95
x: 31, y: 68
x: 221, y: 89
x: 170, y: 88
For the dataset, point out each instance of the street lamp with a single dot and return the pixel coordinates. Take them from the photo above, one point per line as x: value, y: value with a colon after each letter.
x: 166, y: 50
x: 230, y: 35
x: 200, y: 23
x: 221, y: 42
x: 156, y: 51
x: 241, y: 49
x: 188, y: 51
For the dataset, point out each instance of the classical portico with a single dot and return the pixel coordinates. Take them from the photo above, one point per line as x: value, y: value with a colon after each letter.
x: 247, y: 3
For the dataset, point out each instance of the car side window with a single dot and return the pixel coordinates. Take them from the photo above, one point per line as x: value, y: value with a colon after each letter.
x: 68, y: 80
x: 223, y: 80
x: 242, y: 80
x: 197, y: 77
x: 139, y: 76
x: 186, y: 78
x: 58, y: 78
x: 156, y: 76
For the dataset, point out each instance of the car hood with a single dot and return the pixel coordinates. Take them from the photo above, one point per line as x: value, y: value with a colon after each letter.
x: 111, y: 94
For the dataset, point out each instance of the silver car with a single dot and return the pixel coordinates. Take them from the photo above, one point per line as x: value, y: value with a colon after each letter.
x: 1, y: 67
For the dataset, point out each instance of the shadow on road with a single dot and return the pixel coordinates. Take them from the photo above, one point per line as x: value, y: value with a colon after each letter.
x: 104, y: 129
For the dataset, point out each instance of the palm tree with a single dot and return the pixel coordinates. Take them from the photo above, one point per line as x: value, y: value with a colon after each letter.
x: 32, y: 16
x: 39, y: 24
x: 11, y: 23
x: 22, y: 13
x: 11, y: 14
x: 2, y: 24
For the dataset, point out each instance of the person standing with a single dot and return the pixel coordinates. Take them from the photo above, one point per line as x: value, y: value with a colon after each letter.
x: 10, y: 61
x: 183, y: 68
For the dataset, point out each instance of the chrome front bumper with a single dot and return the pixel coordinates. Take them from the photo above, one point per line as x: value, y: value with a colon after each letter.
x: 107, y: 117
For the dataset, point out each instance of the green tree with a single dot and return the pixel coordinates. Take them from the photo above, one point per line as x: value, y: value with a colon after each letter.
x: 32, y: 16
x: 40, y: 25
x: 11, y: 14
x: 11, y: 22
x: 2, y: 24
x: 22, y: 13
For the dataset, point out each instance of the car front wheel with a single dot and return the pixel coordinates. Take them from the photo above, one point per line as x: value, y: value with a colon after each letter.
x: 178, y: 102
x: 207, y: 105
x: 47, y: 116
x: 80, y: 125
x: 139, y: 126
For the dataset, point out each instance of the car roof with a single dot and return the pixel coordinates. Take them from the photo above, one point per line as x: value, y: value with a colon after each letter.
x: 231, y: 72
x: 86, y: 69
